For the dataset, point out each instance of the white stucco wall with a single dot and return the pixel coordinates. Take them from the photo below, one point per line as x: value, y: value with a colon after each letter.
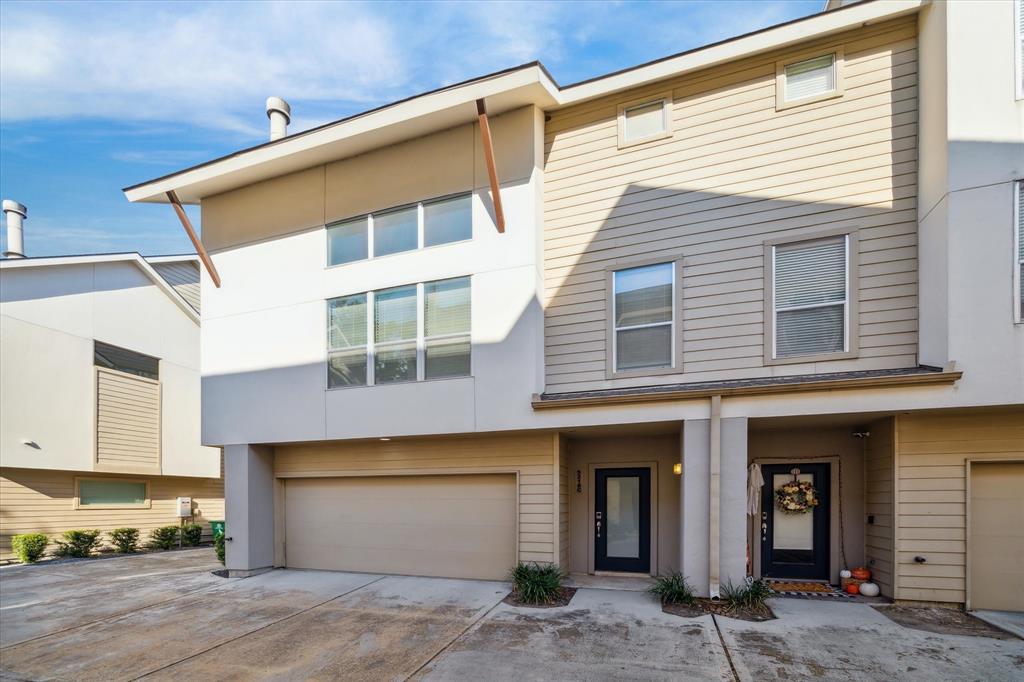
x: 49, y: 317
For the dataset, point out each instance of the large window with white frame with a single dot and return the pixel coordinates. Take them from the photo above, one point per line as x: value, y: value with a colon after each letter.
x: 810, y: 298
x: 407, y: 333
x: 404, y: 228
x: 1018, y: 231
x: 643, y: 318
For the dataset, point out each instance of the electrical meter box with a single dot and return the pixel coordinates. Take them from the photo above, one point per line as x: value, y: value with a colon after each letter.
x: 184, y: 507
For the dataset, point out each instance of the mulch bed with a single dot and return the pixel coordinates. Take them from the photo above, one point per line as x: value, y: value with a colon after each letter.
x: 703, y: 607
x: 563, y: 599
x: 944, y: 621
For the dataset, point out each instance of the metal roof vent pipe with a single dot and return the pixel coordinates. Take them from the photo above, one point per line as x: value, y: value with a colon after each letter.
x: 280, y: 115
x: 15, y: 214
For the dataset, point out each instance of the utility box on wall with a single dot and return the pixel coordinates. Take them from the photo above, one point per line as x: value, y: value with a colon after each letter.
x: 184, y: 507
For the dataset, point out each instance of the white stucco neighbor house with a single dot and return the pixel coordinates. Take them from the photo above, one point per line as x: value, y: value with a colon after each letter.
x: 510, y: 320
x: 100, y: 393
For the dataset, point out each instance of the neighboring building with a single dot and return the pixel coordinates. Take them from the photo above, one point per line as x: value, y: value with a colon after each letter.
x: 100, y: 395
x: 795, y: 248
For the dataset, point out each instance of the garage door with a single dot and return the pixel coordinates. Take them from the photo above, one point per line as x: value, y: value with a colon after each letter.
x: 453, y: 526
x: 997, y: 536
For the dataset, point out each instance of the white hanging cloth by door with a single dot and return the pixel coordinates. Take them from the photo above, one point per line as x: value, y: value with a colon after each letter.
x: 754, y: 483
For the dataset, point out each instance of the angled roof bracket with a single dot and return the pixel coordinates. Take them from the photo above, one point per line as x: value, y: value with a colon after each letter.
x: 492, y: 170
x: 187, y: 224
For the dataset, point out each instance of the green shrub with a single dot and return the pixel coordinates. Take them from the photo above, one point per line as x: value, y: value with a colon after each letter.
x: 164, y: 537
x: 125, y: 540
x: 78, y: 543
x: 191, y: 534
x: 218, y: 545
x: 535, y: 583
x: 673, y: 589
x: 750, y: 593
x: 29, y: 547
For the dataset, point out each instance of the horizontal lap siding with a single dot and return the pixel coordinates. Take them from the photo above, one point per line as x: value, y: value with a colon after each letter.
x: 127, y: 421
x: 878, y: 490
x: 931, y: 468
x: 532, y: 456
x: 736, y: 173
x: 40, y: 501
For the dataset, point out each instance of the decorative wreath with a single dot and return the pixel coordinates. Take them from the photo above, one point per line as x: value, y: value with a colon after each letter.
x: 796, y: 497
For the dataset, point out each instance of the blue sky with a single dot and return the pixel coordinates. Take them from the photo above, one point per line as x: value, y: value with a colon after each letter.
x: 98, y: 96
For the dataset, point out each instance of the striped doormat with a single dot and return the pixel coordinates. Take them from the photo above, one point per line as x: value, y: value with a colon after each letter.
x: 807, y: 590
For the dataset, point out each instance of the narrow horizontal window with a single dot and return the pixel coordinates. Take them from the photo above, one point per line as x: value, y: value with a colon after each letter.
x: 111, y: 493
x: 446, y: 328
x: 643, y: 316
x: 448, y: 220
x: 348, y: 241
x: 123, y: 360
x: 395, y: 231
x: 645, y: 121
x: 347, y: 341
x: 810, y: 303
x: 810, y: 78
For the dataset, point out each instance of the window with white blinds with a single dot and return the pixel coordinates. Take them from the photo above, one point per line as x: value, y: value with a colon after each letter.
x: 810, y: 78
x: 810, y: 297
x: 1018, y: 22
x: 643, y: 315
x: 407, y: 333
x: 1019, y: 249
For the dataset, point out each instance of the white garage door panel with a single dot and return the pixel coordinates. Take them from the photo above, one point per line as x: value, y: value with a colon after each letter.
x: 455, y: 526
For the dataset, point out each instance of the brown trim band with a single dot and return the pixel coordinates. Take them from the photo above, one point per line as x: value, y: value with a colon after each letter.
x: 923, y: 379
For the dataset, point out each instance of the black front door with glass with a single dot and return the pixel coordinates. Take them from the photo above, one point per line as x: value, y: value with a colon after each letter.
x: 795, y: 544
x: 622, y: 520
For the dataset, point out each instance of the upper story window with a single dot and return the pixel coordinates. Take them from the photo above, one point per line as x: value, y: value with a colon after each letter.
x: 1018, y: 272
x: 805, y: 80
x: 406, y: 333
x: 810, y: 304
x: 643, y: 317
x: 1018, y: 46
x: 112, y: 357
x: 645, y: 121
x: 396, y: 230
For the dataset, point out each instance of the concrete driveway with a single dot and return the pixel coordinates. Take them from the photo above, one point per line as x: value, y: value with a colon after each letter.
x: 166, y: 616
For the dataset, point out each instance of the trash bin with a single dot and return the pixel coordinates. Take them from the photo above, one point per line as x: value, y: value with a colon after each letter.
x: 217, y: 527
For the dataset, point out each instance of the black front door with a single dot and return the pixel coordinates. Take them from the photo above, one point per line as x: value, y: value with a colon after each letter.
x: 622, y: 520
x: 795, y: 545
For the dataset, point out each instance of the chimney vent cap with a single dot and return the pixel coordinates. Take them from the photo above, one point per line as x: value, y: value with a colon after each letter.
x: 13, y: 206
x: 276, y: 104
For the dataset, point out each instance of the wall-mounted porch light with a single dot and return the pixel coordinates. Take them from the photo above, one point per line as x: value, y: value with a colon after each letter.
x: 677, y: 468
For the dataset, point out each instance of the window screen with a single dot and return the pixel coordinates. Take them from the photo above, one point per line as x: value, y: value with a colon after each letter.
x: 811, y: 77
x: 346, y: 341
x: 122, y: 360
x: 107, y: 492
x: 643, y: 317
x: 810, y: 284
x: 446, y: 325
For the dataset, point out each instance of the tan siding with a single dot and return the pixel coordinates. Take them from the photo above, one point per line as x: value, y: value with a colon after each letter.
x: 564, y: 484
x: 127, y: 422
x: 184, y: 277
x: 736, y: 173
x: 39, y: 501
x: 931, y: 465
x: 533, y: 457
x: 879, y: 478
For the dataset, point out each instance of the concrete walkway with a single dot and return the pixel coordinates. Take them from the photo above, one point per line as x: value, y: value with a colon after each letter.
x: 166, y: 616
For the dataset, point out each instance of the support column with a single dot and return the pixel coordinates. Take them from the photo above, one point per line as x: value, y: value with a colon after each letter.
x: 695, y: 496
x: 249, y: 507
x: 732, y: 556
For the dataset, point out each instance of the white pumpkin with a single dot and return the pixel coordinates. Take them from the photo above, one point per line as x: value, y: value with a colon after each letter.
x: 845, y: 573
x: 869, y: 589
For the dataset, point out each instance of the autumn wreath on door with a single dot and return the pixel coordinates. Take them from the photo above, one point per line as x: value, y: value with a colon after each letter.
x: 796, y: 496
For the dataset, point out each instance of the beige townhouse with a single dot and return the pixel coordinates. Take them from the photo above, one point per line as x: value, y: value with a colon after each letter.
x: 607, y: 325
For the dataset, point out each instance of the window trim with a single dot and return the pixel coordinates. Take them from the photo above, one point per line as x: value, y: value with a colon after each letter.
x: 782, y: 103
x: 852, y: 323
x: 420, y: 229
x: 148, y: 504
x: 420, y: 340
x: 666, y: 111
x: 1018, y: 299
x: 677, y: 327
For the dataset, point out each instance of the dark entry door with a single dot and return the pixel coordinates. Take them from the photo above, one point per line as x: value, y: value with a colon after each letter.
x: 795, y: 545
x: 622, y: 520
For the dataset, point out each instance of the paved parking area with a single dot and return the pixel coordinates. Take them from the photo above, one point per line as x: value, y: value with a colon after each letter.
x: 166, y: 616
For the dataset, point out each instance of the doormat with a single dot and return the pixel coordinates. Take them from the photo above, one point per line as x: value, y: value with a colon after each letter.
x: 807, y: 590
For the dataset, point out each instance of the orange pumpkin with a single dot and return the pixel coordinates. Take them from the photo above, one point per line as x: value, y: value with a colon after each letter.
x: 861, y: 573
x: 853, y: 588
